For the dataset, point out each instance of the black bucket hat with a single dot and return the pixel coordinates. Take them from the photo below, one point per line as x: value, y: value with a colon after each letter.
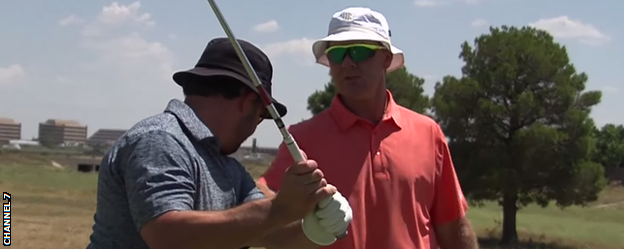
x: 220, y: 59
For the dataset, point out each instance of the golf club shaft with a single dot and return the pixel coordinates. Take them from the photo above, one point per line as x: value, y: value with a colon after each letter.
x: 287, y: 137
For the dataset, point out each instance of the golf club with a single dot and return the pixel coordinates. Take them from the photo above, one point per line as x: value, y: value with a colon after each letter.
x: 287, y: 137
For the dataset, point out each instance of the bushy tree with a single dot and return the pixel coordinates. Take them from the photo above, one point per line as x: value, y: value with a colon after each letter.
x: 610, y: 145
x: 518, y: 123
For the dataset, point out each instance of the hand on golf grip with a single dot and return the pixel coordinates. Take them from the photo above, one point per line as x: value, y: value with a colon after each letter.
x: 303, y: 187
x: 328, y: 221
x: 334, y: 214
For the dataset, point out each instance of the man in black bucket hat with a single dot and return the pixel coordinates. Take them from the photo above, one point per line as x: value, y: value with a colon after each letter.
x: 168, y: 182
x: 220, y: 59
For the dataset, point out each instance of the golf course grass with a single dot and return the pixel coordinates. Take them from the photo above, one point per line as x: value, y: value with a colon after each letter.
x: 53, y: 208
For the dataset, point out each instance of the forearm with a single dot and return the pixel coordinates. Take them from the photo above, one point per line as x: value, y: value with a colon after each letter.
x: 289, y: 236
x: 466, y: 238
x: 233, y: 228
x: 457, y: 235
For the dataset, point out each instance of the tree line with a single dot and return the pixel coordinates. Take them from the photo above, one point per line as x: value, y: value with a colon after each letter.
x: 517, y: 120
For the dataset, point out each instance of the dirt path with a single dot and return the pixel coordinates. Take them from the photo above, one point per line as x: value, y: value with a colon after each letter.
x: 607, y: 205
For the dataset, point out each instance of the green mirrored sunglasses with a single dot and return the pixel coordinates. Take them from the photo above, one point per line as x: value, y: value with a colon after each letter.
x: 357, y: 52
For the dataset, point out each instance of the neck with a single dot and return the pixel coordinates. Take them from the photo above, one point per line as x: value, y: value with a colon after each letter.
x: 372, y: 109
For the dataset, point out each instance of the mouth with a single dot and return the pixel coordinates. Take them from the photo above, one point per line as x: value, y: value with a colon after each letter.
x: 351, y: 77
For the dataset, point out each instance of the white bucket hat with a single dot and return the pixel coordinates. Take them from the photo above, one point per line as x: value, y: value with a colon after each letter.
x: 358, y: 23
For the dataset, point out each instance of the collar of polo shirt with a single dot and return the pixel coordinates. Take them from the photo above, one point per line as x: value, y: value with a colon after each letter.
x: 346, y: 119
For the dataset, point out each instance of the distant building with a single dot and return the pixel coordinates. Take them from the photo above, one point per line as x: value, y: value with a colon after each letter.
x: 9, y: 130
x: 254, y: 146
x: 105, y: 137
x: 62, y: 132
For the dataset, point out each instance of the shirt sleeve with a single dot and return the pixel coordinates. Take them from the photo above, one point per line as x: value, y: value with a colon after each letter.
x: 449, y: 202
x: 158, y: 177
x: 248, y: 189
x: 273, y: 176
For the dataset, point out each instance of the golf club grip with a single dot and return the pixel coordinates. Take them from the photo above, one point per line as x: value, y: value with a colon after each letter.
x: 292, y: 146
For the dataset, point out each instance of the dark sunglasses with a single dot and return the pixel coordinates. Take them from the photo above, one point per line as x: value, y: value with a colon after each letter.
x: 357, y: 52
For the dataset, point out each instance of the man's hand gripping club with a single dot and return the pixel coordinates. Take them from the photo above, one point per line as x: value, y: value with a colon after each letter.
x: 305, y: 193
x: 330, y: 220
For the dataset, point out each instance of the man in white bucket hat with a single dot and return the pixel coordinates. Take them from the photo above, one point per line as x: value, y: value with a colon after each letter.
x: 392, y: 164
x: 358, y: 24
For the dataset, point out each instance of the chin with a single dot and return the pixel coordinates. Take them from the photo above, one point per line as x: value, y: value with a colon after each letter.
x: 356, y: 95
x: 228, y: 151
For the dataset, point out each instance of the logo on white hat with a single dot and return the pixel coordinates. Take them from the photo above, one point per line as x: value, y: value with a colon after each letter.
x: 347, y: 16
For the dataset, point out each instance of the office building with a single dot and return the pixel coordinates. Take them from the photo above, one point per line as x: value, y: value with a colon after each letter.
x: 62, y: 132
x: 105, y: 137
x: 9, y: 130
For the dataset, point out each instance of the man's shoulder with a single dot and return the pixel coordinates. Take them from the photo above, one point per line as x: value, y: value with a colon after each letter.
x: 319, y: 121
x: 411, y: 115
x: 160, y: 132
x: 163, y: 123
x: 423, y: 124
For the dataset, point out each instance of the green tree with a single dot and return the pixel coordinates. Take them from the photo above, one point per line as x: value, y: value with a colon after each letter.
x: 518, y: 124
x: 610, y: 145
x: 407, y: 91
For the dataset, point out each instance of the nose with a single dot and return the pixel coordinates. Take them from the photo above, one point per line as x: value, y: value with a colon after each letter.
x: 348, y: 63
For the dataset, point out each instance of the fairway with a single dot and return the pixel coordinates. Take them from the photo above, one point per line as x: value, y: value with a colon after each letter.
x: 53, y: 208
x: 582, y: 227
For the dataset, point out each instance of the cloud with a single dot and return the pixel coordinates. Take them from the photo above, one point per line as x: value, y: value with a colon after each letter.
x: 565, y: 28
x: 118, y: 14
x: 11, y: 75
x: 297, y: 49
x: 429, y: 3
x: 121, y: 61
x: 267, y: 27
x: 130, y: 54
x: 478, y: 23
x: 127, y: 53
x: 70, y: 20
x: 115, y: 15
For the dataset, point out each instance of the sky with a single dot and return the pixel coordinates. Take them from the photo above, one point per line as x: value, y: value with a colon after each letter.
x: 108, y: 64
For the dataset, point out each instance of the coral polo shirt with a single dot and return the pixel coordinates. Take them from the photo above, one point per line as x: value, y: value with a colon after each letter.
x: 397, y: 175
